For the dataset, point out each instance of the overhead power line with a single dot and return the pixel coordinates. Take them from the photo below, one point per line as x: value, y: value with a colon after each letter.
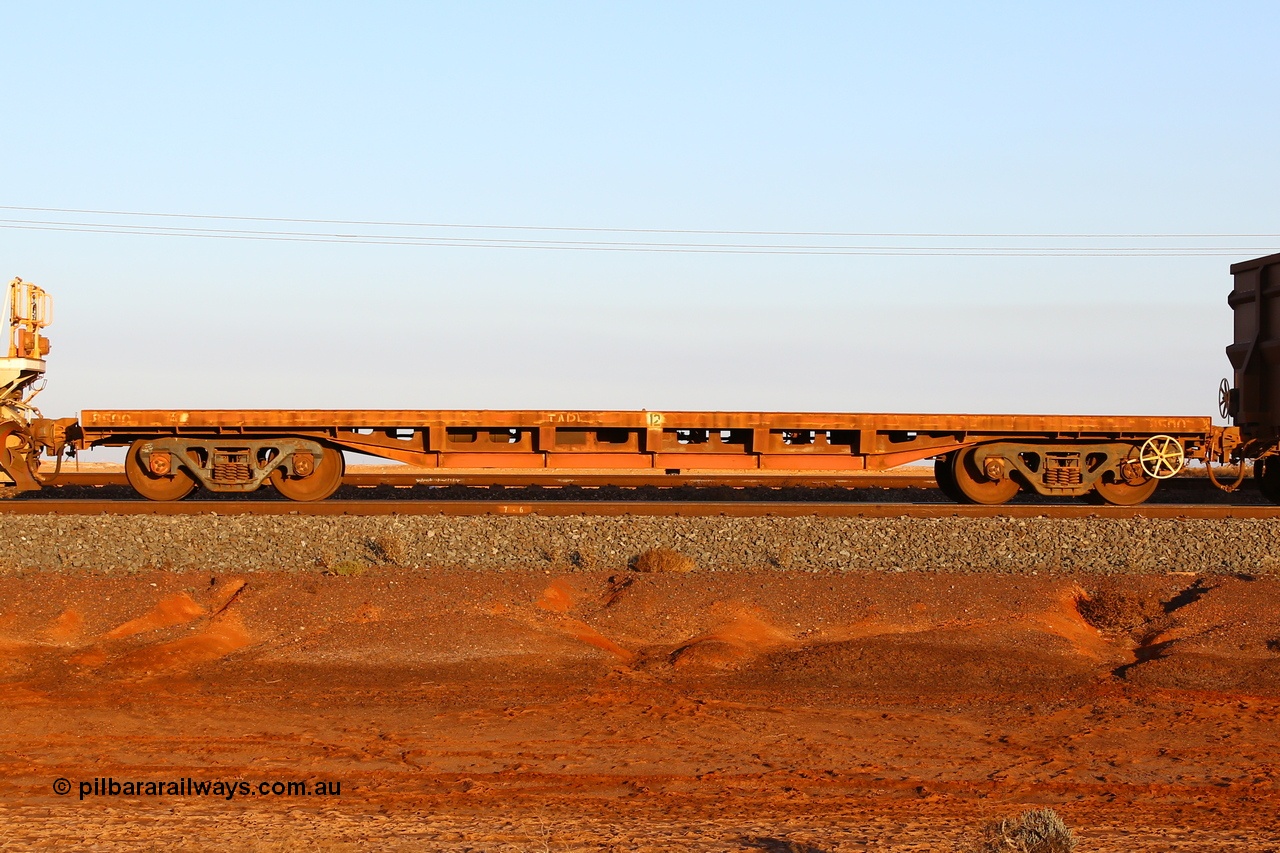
x: 786, y: 242
x: 800, y: 250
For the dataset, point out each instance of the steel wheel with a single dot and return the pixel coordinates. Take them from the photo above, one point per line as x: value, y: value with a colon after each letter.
x: 946, y: 482
x: 1114, y: 490
x: 320, y: 484
x: 1126, y: 485
x: 974, y: 485
x: 174, y: 486
x: 17, y: 459
x: 1267, y: 472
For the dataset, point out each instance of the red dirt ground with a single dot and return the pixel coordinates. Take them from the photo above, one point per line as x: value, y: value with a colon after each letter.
x: 719, y: 711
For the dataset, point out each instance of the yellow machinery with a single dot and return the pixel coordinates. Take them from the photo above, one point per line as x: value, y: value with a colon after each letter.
x: 30, y: 310
x: 23, y: 431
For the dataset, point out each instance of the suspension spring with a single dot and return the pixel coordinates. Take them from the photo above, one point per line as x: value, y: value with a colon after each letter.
x: 1062, y: 470
x: 232, y: 472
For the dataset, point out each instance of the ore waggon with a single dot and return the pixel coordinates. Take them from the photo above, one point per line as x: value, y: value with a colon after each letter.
x: 985, y: 459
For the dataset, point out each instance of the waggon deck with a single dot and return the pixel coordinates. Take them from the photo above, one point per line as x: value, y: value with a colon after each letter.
x: 669, y: 441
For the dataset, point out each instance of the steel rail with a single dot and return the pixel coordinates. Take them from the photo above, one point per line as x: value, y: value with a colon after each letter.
x: 406, y: 480
x: 688, y: 509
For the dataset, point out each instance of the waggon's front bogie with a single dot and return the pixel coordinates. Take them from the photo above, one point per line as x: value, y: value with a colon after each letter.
x: 169, y: 468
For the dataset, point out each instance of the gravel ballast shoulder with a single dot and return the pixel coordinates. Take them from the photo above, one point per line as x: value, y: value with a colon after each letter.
x: 343, y: 544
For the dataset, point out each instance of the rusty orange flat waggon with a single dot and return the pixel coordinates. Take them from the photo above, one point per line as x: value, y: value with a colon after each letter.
x: 238, y: 450
x: 978, y: 458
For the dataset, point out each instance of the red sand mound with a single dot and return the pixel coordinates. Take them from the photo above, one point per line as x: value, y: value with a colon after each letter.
x: 701, y: 711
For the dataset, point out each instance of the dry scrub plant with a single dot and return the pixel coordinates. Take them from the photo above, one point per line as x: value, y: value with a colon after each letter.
x: 389, y: 549
x: 1036, y: 831
x: 663, y: 560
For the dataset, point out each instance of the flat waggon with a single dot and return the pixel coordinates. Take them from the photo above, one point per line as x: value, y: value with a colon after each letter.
x: 981, y: 458
x: 978, y: 458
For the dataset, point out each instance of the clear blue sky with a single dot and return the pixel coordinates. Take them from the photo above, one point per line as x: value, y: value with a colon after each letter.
x: 1009, y: 118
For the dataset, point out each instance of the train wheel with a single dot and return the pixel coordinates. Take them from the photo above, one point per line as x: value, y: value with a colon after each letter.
x: 174, y: 486
x: 1267, y: 472
x: 945, y: 480
x: 1114, y: 490
x: 975, y: 486
x: 320, y: 484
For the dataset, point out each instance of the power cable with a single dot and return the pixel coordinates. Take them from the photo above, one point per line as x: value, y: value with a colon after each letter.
x: 673, y: 248
x: 746, y: 247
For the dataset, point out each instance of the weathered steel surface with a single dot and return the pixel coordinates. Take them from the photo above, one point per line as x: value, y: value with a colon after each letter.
x: 102, y: 423
x: 1255, y: 351
x: 804, y: 443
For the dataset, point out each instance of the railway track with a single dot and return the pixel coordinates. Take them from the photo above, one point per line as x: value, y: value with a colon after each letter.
x: 406, y: 480
x: 606, y: 508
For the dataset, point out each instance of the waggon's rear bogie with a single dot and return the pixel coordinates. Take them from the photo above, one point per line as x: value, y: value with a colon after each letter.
x: 1123, y: 472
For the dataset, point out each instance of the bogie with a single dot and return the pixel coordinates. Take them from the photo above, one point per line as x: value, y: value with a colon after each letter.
x: 169, y: 468
x: 994, y: 472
